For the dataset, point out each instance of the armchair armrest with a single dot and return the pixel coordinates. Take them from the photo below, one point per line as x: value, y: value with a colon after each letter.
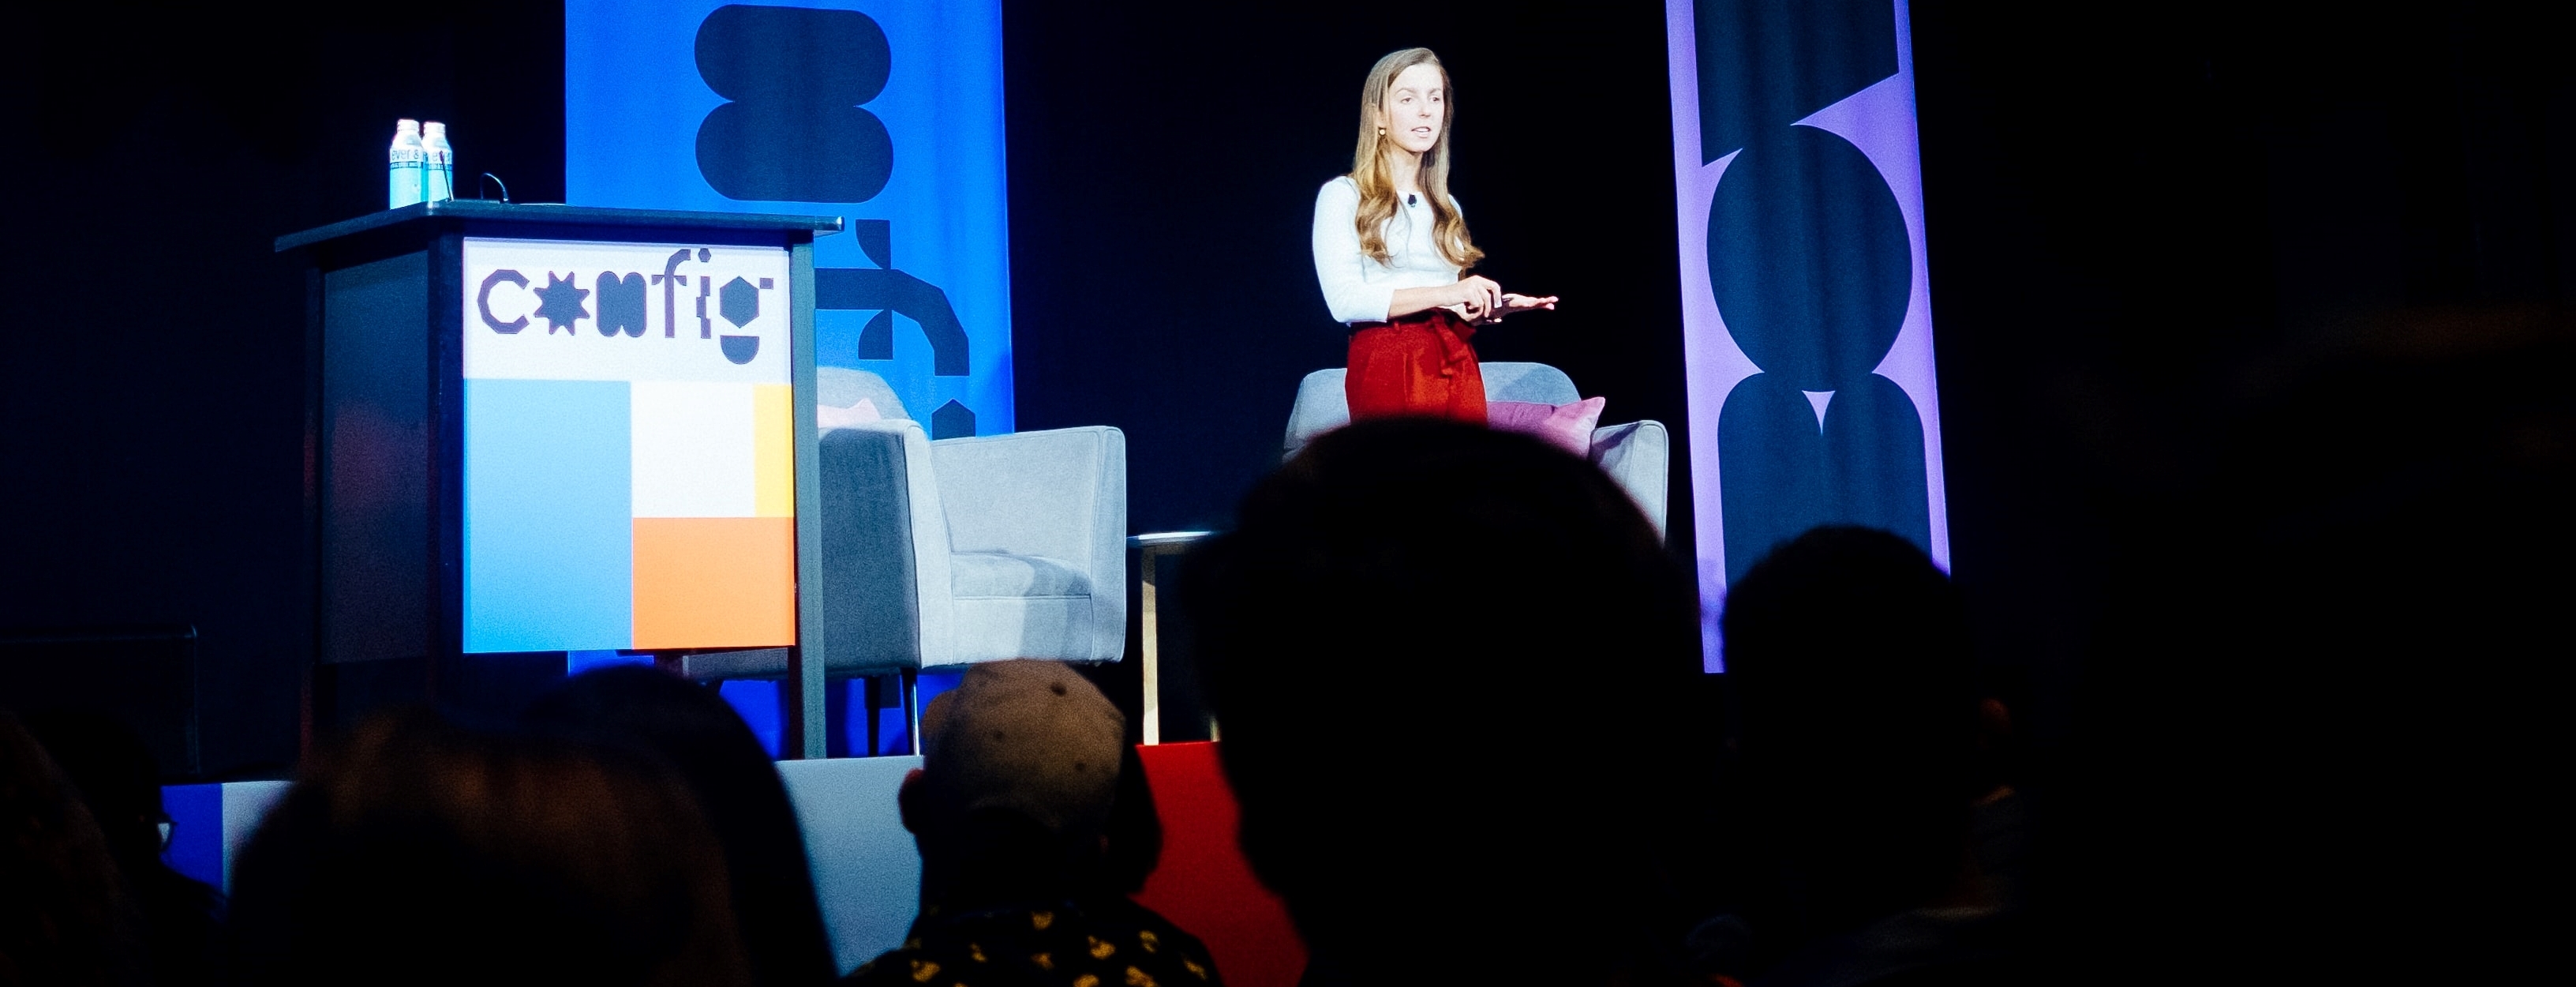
x: 886, y: 593
x: 1639, y: 457
x: 1060, y: 494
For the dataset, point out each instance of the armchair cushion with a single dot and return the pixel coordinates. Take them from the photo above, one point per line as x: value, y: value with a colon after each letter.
x: 1002, y: 574
x: 1012, y: 606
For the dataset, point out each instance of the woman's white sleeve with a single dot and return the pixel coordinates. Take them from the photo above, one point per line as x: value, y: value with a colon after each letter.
x: 1338, y: 261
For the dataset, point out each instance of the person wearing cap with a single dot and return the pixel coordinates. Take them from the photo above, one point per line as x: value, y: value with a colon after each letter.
x: 1011, y: 807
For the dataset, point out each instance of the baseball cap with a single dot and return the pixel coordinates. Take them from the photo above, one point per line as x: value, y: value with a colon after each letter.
x: 1026, y: 735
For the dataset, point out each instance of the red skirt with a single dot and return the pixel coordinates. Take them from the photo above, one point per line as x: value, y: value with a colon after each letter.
x: 1420, y: 365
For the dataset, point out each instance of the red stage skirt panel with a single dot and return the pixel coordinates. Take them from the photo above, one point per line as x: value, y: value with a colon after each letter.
x: 1418, y: 364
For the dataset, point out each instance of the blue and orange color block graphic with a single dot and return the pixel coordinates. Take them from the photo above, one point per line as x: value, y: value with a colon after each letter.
x: 651, y: 511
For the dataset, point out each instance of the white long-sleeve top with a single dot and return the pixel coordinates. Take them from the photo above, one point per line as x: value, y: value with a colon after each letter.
x: 1357, y: 288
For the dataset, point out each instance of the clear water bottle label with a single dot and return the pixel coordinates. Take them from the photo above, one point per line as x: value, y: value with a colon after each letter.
x: 404, y: 163
x: 404, y: 185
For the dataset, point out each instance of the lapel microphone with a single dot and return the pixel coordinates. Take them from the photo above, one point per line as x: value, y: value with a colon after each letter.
x: 1411, y: 199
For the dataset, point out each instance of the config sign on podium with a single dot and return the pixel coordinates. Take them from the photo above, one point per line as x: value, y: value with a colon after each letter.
x: 551, y: 428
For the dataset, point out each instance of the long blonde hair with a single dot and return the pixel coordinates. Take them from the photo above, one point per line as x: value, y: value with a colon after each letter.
x: 1376, y: 178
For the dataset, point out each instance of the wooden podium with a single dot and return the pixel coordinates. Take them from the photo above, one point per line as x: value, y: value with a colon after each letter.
x: 533, y: 430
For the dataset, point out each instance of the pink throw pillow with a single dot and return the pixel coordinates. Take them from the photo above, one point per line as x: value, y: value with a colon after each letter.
x: 1565, y: 426
x: 827, y: 417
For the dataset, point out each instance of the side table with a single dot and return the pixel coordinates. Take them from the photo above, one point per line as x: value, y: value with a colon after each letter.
x: 1150, y: 549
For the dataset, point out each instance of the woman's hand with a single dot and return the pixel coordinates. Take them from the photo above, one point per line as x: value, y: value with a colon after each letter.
x: 1477, y: 296
x: 1520, y: 303
x: 1474, y: 298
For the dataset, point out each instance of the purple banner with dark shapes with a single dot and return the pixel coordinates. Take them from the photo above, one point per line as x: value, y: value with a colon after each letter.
x: 1806, y: 306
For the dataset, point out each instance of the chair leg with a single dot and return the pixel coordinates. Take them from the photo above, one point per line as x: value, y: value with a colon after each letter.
x: 885, y: 692
x: 908, y: 692
x: 811, y: 723
x: 864, y: 707
x: 871, y: 696
x: 869, y: 699
x: 905, y: 692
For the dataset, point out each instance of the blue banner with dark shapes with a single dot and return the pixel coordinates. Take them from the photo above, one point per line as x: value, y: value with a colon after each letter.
x: 887, y: 112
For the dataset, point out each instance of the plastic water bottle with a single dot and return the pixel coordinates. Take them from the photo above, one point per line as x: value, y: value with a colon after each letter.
x: 438, y: 176
x: 404, y: 165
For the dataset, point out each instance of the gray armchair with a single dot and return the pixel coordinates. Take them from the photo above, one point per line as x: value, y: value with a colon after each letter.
x: 948, y: 553
x: 1637, y: 455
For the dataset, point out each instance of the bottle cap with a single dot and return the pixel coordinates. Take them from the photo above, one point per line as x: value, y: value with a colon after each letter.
x: 433, y: 128
x: 406, y: 126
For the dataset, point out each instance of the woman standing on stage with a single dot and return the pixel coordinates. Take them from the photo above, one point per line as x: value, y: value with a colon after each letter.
x: 1393, y: 252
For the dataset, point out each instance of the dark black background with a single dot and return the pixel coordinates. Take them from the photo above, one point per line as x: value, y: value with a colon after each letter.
x: 150, y: 392
x: 2204, y: 276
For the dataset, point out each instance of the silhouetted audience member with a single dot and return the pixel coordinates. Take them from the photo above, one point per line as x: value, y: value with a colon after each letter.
x: 738, y: 787
x: 1134, y: 834
x: 1999, y: 817
x: 65, y: 917
x: 1021, y: 767
x: 421, y: 853
x: 1454, y: 668
x: 1858, y: 739
x: 121, y: 783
